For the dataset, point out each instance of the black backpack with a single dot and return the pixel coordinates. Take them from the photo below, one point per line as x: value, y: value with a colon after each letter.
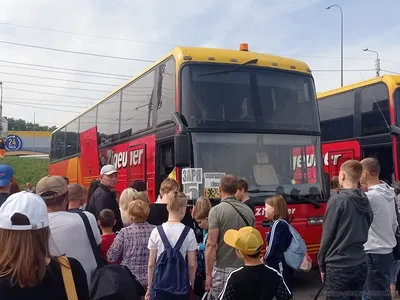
x: 114, y: 282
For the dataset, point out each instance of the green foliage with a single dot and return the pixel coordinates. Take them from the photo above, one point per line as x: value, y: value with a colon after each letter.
x: 27, y: 169
x: 22, y: 125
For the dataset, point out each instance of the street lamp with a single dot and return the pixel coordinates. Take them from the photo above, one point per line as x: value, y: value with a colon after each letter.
x: 377, y: 62
x: 341, y: 39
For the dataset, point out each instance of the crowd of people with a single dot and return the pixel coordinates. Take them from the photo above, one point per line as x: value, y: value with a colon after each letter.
x: 358, y: 254
x: 47, y: 235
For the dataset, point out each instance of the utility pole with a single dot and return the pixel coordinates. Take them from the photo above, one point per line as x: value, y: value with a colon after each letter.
x: 377, y: 61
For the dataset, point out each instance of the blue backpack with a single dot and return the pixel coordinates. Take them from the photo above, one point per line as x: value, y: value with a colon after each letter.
x: 296, y: 254
x: 171, y: 276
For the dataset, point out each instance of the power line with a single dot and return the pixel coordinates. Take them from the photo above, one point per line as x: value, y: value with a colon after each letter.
x: 76, y: 52
x: 52, y: 94
x: 41, y: 103
x: 66, y: 69
x: 55, y: 86
x: 46, y: 108
x: 88, y: 35
x: 59, y: 79
x: 390, y: 71
x: 60, y: 72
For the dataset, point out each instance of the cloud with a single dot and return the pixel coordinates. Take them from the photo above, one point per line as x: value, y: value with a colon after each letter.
x: 299, y: 29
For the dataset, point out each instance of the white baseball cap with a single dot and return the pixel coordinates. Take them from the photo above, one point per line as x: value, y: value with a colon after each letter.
x: 108, y: 170
x: 23, y: 211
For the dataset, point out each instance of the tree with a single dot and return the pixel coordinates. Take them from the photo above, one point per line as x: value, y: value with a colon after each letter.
x: 22, y: 125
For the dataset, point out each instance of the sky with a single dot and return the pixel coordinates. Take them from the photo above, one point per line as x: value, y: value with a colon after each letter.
x: 147, y: 30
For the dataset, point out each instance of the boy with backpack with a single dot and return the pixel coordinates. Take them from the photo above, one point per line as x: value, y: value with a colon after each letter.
x: 172, y: 259
x: 270, y: 284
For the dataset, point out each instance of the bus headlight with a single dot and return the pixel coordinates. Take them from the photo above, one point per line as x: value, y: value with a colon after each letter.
x: 315, y: 220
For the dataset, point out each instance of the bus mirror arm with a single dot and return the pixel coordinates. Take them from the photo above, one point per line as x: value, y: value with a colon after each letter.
x: 394, y: 130
x: 178, y: 122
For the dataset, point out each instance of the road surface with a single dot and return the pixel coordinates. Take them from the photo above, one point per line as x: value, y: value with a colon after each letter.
x: 306, y: 286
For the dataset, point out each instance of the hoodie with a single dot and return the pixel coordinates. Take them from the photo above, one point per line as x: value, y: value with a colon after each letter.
x: 381, y: 238
x: 347, y: 220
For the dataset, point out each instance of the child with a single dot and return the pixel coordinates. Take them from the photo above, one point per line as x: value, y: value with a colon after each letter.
x: 173, y: 229
x: 106, y: 223
x: 248, y: 243
x: 131, y: 242
x: 279, y: 238
x: 200, y: 214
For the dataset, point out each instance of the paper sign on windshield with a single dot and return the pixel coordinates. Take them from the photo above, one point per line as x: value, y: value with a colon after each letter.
x: 192, y: 175
x: 211, y: 180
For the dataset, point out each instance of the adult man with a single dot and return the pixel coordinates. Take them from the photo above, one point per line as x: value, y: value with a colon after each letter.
x: 104, y: 196
x: 67, y: 229
x: 242, y: 193
x: 231, y: 213
x: 381, y: 236
x: 345, y: 230
x: 6, y: 178
x: 76, y: 197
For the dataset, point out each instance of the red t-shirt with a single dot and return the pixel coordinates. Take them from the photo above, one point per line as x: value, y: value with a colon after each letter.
x: 106, y: 242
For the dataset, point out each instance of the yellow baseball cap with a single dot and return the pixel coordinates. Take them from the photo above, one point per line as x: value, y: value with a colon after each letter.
x: 247, y: 240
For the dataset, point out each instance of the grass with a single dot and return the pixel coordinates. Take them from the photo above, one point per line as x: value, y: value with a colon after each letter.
x: 27, y: 169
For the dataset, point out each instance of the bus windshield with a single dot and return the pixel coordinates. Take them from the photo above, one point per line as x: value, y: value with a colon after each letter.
x: 248, y: 97
x: 268, y: 162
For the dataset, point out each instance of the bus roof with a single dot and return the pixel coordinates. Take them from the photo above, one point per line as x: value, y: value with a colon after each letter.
x: 391, y: 81
x: 197, y: 54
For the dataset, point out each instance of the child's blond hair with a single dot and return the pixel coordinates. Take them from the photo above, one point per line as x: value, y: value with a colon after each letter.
x: 176, y: 201
x: 138, y: 211
x: 201, y: 208
x: 141, y: 196
x: 126, y: 198
x: 168, y: 185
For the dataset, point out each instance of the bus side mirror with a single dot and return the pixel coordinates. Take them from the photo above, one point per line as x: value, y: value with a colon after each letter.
x: 183, y: 153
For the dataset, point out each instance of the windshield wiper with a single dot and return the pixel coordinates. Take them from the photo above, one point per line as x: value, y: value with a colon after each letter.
x: 299, y: 197
x: 229, y: 70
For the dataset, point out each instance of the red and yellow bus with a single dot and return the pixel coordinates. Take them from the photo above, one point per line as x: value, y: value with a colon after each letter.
x: 202, y: 113
x: 361, y: 120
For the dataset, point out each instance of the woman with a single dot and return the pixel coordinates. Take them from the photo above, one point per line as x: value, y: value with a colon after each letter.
x: 127, y: 196
x: 27, y: 271
x: 279, y: 238
x: 130, y: 244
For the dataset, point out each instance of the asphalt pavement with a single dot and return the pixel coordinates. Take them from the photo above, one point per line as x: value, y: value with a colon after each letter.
x: 307, y: 285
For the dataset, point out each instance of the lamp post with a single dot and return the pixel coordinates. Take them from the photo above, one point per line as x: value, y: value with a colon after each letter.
x: 341, y: 39
x: 377, y: 61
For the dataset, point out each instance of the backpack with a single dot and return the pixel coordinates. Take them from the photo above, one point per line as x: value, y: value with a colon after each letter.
x: 296, y: 254
x: 171, y: 276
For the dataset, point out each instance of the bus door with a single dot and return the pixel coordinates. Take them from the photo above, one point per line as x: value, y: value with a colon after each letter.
x: 89, y: 165
x: 138, y: 166
x: 384, y: 154
x: 335, y: 154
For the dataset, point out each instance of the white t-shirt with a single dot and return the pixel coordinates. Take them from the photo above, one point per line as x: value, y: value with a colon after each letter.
x: 173, y: 231
x: 70, y: 238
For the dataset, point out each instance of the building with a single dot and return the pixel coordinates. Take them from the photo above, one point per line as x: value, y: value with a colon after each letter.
x: 32, y: 141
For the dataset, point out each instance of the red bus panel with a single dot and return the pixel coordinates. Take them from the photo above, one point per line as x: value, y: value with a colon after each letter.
x: 89, y: 155
x: 336, y: 153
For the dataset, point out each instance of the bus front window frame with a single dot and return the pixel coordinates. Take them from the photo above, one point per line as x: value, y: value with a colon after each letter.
x: 255, y: 120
